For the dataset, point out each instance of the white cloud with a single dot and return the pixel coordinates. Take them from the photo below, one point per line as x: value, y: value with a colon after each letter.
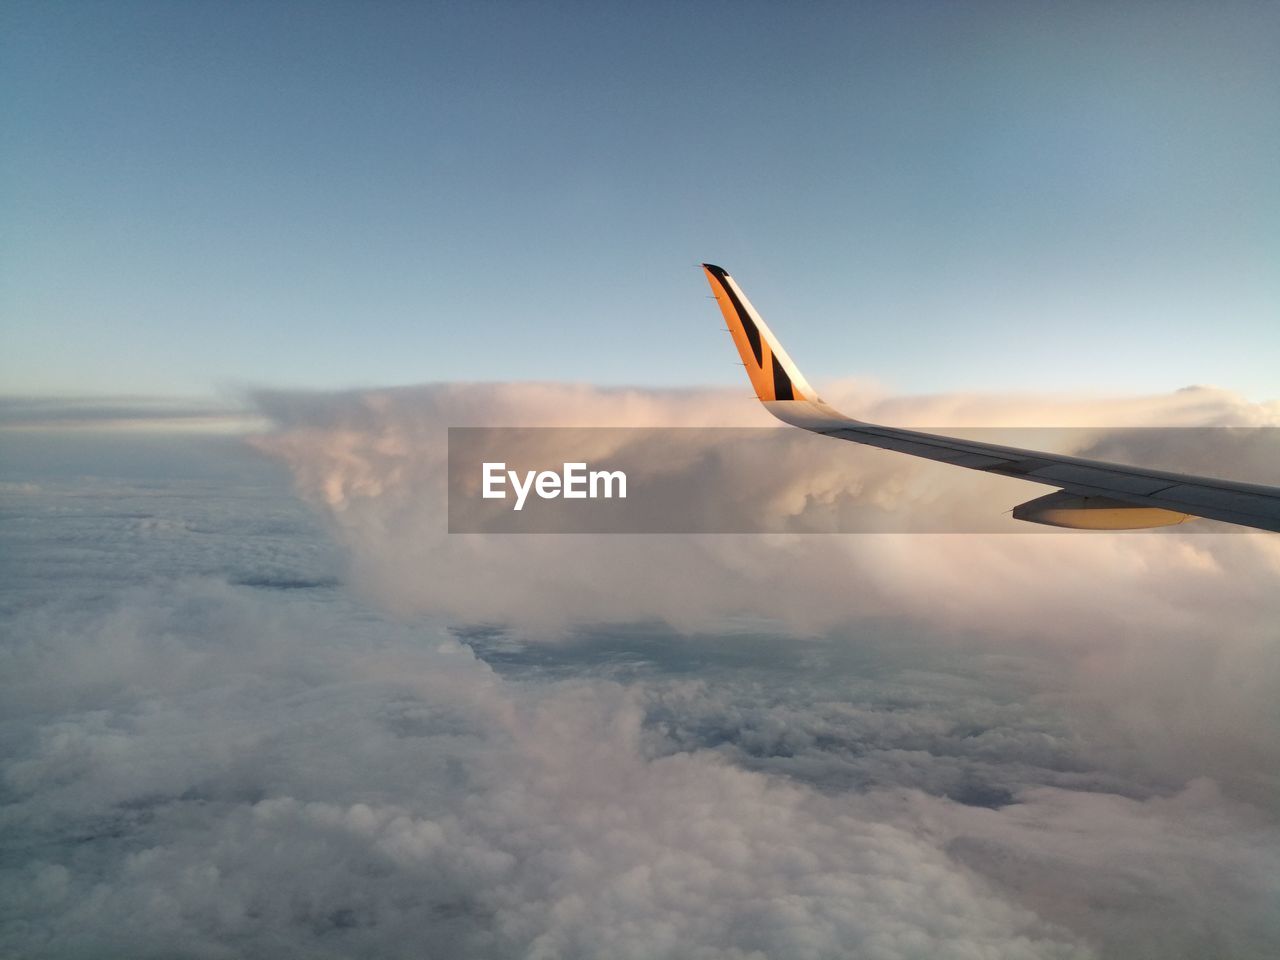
x: 997, y: 746
x: 232, y: 779
x: 376, y: 462
x: 1168, y: 637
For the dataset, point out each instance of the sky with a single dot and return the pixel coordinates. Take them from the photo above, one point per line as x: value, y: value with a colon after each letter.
x: 200, y: 199
x: 256, y: 258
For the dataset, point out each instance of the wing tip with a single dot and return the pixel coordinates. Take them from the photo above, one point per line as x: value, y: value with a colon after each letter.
x: 773, y: 375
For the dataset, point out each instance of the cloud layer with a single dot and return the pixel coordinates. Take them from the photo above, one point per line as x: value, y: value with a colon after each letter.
x: 1166, y: 642
x: 1169, y: 636
x: 715, y: 747
x: 230, y: 780
x: 246, y: 775
x: 376, y: 462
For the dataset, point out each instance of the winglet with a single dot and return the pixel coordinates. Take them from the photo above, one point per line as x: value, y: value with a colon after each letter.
x: 772, y: 372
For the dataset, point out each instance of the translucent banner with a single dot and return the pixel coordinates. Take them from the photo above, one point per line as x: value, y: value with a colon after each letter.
x: 686, y: 480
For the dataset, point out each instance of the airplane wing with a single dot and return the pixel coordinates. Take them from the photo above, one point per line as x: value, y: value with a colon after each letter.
x: 1091, y: 494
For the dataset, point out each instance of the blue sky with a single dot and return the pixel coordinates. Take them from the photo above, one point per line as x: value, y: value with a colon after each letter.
x: 939, y: 196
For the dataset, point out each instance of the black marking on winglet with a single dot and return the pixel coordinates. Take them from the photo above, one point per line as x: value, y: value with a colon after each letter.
x: 781, y: 382
x: 748, y: 325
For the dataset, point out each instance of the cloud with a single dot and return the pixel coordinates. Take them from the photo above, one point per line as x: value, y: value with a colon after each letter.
x: 1168, y: 637
x: 233, y: 776
x: 251, y: 773
x: 719, y: 747
x: 377, y: 463
x: 19, y: 413
x: 1063, y: 853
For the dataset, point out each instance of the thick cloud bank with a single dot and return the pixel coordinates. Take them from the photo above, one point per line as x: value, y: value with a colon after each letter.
x: 376, y: 462
x: 237, y: 786
x: 244, y: 776
x: 889, y: 746
x: 1171, y: 636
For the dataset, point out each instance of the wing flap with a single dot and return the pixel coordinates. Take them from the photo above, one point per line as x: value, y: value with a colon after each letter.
x: 1063, y: 473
